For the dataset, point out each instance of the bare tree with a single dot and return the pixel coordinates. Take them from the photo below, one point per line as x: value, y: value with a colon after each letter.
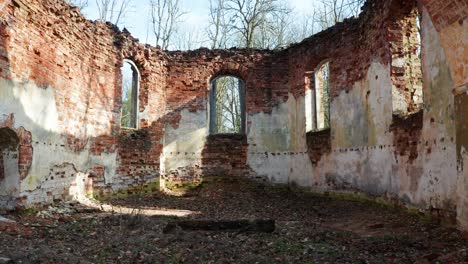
x: 78, y: 3
x: 228, y: 105
x: 277, y: 32
x: 248, y: 16
x: 113, y: 10
x: 188, y: 39
x: 331, y: 12
x: 218, y: 30
x: 165, y: 16
x: 303, y: 26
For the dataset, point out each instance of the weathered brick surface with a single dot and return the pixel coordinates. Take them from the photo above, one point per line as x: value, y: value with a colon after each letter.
x: 407, y: 135
x: 54, y: 46
x: 20, y: 138
x: 225, y: 155
x: 51, y: 45
x: 406, y: 65
x: 444, y: 13
x: 25, y: 152
x: 189, y: 75
x: 318, y: 144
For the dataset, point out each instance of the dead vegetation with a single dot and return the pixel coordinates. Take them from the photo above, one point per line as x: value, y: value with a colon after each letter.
x: 309, y: 229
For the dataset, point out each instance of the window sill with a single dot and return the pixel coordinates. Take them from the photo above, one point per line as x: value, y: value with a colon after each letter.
x: 228, y: 136
x: 128, y: 129
x: 321, y: 132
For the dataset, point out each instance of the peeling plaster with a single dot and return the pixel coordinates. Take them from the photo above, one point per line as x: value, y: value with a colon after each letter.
x: 35, y: 110
x: 183, y: 145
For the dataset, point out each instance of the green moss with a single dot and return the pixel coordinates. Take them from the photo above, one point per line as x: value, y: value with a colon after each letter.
x: 145, y: 189
x: 28, y: 211
x: 181, y: 187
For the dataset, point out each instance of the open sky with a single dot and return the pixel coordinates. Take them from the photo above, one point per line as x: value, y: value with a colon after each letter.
x: 195, y: 20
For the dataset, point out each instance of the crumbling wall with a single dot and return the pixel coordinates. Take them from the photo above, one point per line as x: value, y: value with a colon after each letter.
x: 189, y: 150
x: 61, y: 88
x: 450, y: 21
x: 369, y: 149
x: 61, y: 93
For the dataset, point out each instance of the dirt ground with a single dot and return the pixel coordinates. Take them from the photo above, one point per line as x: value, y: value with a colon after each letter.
x: 309, y: 229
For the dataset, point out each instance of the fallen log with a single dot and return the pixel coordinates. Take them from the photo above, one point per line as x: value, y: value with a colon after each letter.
x: 259, y: 226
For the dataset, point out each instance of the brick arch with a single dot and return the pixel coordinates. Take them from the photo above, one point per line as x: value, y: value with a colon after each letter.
x: 230, y: 69
x: 450, y: 18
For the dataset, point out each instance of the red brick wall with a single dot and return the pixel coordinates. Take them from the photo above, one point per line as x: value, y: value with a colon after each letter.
x: 225, y: 155
x: 446, y: 12
x: 25, y: 152
x: 264, y: 72
x: 51, y: 44
x: 404, y: 44
x: 45, y: 43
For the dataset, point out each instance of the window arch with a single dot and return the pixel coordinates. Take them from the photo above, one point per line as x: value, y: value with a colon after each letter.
x: 130, y: 87
x: 317, y: 98
x: 227, y: 105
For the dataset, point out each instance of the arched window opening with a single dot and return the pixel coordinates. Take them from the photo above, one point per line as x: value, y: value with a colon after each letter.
x: 130, y: 86
x: 317, y: 98
x: 406, y: 40
x: 227, y: 105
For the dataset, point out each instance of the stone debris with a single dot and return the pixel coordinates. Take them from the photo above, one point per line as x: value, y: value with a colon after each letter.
x: 5, y: 220
x: 61, y: 209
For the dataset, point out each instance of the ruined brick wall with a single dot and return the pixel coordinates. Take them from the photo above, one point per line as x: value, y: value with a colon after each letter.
x: 445, y: 13
x: 70, y: 67
x: 188, y: 88
x: 45, y: 45
x: 61, y: 91
x: 406, y: 64
x: 350, y: 46
x: 190, y: 73
x: 450, y: 19
x: 367, y: 148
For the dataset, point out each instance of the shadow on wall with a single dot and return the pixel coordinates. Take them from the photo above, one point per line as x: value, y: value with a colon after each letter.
x: 9, y: 169
x: 190, y: 150
x: 46, y: 165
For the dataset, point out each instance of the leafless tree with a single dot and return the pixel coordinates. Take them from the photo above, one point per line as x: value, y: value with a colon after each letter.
x: 78, y: 3
x: 303, y: 26
x: 165, y: 16
x: 246, y: 17
x: 228, y: 106
x: 277, y: 32
x: 331, y: 12
x: 113, y: 10
x: 218, y: 30
x: 188, y: 39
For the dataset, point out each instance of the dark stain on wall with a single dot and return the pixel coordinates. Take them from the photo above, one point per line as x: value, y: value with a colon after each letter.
x: 407, y: 134
x: 461, y: 113
x: 318, y: 144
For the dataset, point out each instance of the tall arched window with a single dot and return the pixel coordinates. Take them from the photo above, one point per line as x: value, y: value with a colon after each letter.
x: 322, y: 86
x: 317, y: 98
x: 130, y: 86
x: 227, y: 105
x: 407, y: 88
